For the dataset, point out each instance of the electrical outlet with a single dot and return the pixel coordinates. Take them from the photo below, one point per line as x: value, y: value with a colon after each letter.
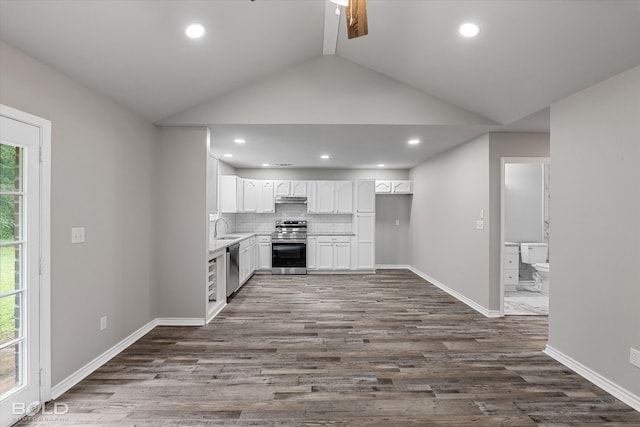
x: 480, y: 224
x: 103, y: 323
x: 397, y: 222
x: 77, y: 235
x: 634, y: 359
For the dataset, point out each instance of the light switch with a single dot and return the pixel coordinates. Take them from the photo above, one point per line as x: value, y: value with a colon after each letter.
x: 77, y: 235
x: 480, y: 224
x: 481, y: 216
x: 397, y: 222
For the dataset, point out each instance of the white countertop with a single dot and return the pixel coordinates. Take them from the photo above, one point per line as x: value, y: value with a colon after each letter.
x: 331, y: 234
x: 220, y: 244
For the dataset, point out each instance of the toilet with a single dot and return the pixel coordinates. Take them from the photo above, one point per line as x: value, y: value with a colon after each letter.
x: 536, y: 254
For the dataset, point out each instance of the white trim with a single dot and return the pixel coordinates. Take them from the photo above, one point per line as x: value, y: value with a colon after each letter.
x: 610, y: 387
x: 45, y: 242
x: 73, y: 379
x: 338, y: 272
x: 477, y: 307
x: 179, y: 321
x: 393, y: 266
x: 215, y: 311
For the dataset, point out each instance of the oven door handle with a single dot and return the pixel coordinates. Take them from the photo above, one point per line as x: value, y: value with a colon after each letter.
x: 275, y: 242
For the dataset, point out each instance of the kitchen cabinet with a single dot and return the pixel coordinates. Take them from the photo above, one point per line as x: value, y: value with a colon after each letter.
x: 266, y: 198
x: 331, y: 197
x: 312, y: 249
x: 333, y: 252
x: 252, y: 188
x: 216, y: 286
x: 365, y: 196
x: 231, y: 194
x: 365, y: 226
x: 264, y: 253
x: 290, y: 188
x: 247, y: 259
x: 394, y: 187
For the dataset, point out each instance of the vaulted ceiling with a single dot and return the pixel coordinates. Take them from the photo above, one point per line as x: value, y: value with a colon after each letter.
x: 260, y: 70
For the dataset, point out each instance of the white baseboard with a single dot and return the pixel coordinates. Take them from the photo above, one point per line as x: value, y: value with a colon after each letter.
x: 477, y: 307
x: 215, y: 311
x: 180, y: 321
x: 393, y: 266
x: 73, y: 379
x: 610, y: 387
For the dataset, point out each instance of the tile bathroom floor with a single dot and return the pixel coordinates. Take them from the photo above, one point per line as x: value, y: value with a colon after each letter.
x: 526, y: 302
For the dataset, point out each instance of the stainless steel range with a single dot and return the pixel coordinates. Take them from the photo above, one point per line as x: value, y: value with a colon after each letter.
x: 289, y: 247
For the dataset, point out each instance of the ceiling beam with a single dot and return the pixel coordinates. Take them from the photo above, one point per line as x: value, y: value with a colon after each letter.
x: 331, y: 26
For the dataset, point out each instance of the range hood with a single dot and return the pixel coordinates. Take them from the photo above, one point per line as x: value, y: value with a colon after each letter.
x: 300, y: 200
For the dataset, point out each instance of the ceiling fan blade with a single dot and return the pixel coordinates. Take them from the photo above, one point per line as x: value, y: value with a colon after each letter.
x: 356, y: 14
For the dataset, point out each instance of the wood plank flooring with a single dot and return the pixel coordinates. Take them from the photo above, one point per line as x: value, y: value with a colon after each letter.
x: 366, y: 350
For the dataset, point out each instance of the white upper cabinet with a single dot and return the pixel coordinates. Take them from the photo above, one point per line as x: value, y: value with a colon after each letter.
x: 365, y: 196
x: 252, y: 189
x: 383, y: 186
x: 229, y: 192
x: 282, y: 188
x: 344, y: 197
x: 394, y: 187
x: 290, y: 188
x: 266, y: 202
x: 330, y: 197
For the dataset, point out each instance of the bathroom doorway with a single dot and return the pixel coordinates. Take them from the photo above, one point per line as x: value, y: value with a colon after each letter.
x: 524, y: 232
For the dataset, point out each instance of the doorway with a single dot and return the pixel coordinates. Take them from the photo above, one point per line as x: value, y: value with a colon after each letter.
x: 524, y: 236
x: 24, y: 260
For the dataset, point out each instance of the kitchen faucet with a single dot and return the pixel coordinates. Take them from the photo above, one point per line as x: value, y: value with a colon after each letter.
x: 215, y: 226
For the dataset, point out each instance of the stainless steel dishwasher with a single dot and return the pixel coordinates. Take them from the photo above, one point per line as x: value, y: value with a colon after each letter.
x: 233, y: 268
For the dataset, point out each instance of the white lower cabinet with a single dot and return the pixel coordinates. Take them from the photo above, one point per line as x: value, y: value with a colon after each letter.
x: 365, y: 226
x: 312, y: 250
x: 264, y: 253
x: 247, y: 259
x: 333, y: 252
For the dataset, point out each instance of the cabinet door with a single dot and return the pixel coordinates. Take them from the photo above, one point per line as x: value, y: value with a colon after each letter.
x: 383, y: 187
x: 250, y: 195
x: 253, y: 255
x: 344, y: 197
x: 325, y: 197
x: 228, y: 193
x: 325, y: 255
x: 266, y: 202
x: 365, y: 196
x: 402, y: 187
x: 282, y: 188
x: 342, y: 252
x: 264, y: 256
x: 312, y: 197
x: 312, y: 248
x: 298, y: 188
x: 243, y: 267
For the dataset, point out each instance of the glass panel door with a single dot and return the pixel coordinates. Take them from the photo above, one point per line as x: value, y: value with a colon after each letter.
x: 19, y: 269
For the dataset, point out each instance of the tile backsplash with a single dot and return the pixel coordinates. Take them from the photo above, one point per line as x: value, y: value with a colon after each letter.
x: 265, y: 223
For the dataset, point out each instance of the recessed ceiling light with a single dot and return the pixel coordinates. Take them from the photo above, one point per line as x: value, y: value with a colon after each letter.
x: 324, y: 156
x: 414, y: 141
x: 380, y: 165
x: 194, y: 31
x: 265, y: 165
x: 239, y: 141
x: 228, y: 155
x: 469, y: 29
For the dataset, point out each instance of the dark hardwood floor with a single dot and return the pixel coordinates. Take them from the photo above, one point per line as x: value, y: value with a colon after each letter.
x: 387, y: 349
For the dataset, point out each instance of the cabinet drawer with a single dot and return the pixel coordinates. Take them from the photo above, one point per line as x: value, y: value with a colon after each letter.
x: 510, y: 277
x: 264, y: 239
x: 511, y: 261
x: 334, y: 239
x: 511, y: 250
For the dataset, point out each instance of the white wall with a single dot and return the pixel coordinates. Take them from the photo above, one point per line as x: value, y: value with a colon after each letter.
x: 524, y: 189
x: 448, y: 192
x: 595, y: 233
x: 180, y: 219
x: 101, y: 180
x: 393, y: 240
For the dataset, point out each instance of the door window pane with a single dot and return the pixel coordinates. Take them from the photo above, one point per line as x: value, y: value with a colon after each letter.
x: 10, y: 367
x: 10, y: 316
x: 10, y: 168
x: 10, y: 215
x: 10, y: 269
